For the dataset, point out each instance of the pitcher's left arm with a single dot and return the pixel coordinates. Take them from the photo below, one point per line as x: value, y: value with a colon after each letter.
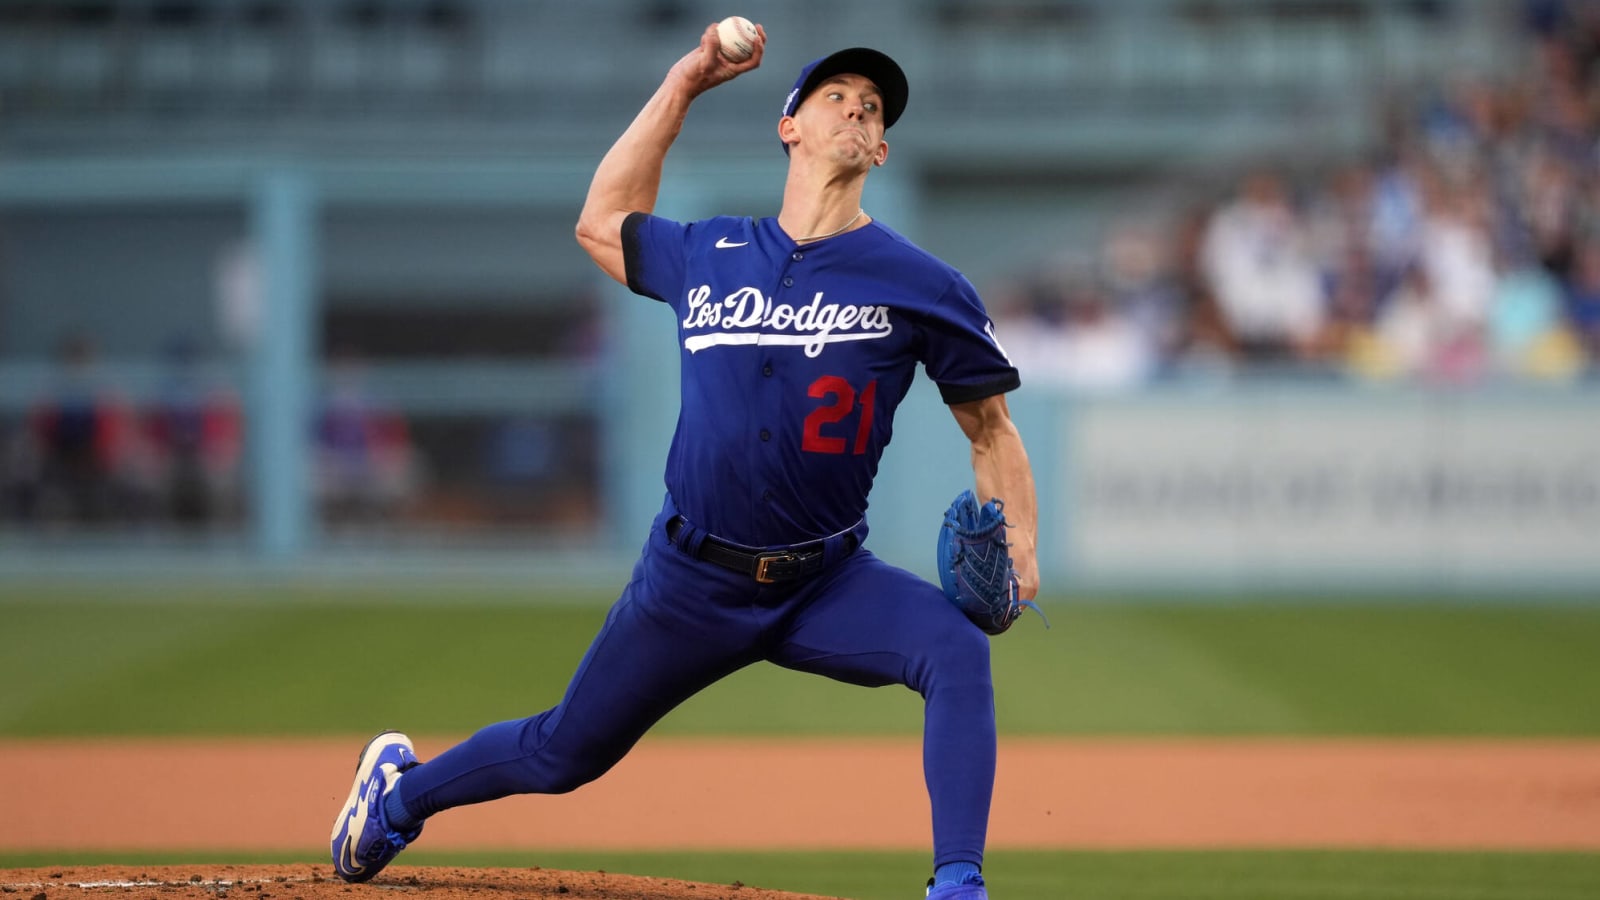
x: 1001, y: 468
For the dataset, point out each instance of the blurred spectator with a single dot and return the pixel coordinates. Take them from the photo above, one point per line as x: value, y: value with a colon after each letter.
x: 1102, y: 349
x: 1547, y: 209
x: 1029, y: 318
x: 1256, y: 259
x: 195, y: 429
x: 1342, y: 217
x: 1462, y: 248
x: 1528, y: 332
x: 87, y: 446
x: 1583, y: 299
x: 1396, y: 206
x: 1357, y: 292
x: 366, y: 468
x: 541, y: 470
x: 20, y: 474
x: 1457, y: 256
x: 522, y: 458
x: 1405, y: 339
x: 1204, y: 341
x: 1141, y: 288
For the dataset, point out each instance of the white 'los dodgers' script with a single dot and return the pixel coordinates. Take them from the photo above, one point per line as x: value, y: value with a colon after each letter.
x: 759, y: 320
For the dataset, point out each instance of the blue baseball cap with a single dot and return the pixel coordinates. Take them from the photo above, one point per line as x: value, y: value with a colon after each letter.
x: 883, y: 71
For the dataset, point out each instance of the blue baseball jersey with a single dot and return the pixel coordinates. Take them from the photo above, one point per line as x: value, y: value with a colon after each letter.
x: 793, y: 360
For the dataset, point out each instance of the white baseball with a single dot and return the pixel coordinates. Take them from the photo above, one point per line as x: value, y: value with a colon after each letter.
x: 738, y: 37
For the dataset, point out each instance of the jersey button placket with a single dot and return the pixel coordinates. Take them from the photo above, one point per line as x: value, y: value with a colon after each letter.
x: 766, y: 369
x: 765, y: 433
x: 788, y: 280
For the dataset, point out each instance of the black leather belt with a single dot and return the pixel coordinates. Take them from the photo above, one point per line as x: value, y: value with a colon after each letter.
x: 765, y: 566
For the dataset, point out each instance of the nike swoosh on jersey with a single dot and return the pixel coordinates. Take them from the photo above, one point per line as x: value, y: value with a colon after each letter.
x: 725, y: 244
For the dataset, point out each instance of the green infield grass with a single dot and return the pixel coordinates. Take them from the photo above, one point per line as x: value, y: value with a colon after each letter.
x: 1053, y: 875
x: 279, y: 662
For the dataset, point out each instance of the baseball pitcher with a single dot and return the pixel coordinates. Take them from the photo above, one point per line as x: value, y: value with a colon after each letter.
x: 798, y: 335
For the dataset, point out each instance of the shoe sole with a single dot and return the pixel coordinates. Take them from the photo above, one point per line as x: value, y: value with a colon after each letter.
x: 366, y: 763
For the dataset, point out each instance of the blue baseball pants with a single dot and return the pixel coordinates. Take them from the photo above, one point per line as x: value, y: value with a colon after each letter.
x: 682, y: 623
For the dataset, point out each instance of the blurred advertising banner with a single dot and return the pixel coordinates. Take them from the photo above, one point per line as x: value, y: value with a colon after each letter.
x: 1337, y: 488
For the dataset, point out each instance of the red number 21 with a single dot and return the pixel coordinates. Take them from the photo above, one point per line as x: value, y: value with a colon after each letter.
x: 844, y: 401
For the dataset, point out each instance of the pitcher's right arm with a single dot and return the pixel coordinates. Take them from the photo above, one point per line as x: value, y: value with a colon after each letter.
x: 629, y: 176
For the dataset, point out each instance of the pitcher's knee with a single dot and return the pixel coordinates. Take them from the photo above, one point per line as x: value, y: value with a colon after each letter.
x: 969, y: 649
x: 959, y: 656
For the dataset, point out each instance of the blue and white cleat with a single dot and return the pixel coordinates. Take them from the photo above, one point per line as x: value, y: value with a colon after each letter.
x: 363, y: 842
x: 971, y: 889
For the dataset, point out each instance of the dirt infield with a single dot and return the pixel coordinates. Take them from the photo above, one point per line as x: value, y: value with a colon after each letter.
x: 674, y: 794
x: 314, y: 883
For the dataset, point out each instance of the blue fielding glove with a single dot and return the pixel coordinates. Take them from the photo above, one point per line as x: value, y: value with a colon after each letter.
x: 975, y: 564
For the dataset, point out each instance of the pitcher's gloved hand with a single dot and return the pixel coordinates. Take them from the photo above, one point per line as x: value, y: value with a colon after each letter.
x: 975, y: 564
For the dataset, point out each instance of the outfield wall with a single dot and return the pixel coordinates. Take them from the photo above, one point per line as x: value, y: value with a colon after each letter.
x: 1287, y: 486
x: 1183, y: 490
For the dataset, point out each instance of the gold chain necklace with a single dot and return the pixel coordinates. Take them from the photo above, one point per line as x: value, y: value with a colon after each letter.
x: 817, y: 237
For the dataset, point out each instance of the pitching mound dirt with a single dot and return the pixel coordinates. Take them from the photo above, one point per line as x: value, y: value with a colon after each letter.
x: 302, y: 882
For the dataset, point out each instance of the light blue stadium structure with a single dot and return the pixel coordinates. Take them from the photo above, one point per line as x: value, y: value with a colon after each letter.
x: 377, y: 160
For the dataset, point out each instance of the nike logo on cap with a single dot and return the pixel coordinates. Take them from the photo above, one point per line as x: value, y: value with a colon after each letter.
x: 725, y: 244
